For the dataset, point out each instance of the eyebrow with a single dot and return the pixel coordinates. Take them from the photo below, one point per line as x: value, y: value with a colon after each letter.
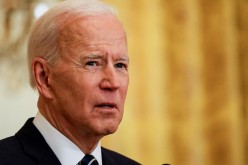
x: 95, y: 56
x: 125, y: 58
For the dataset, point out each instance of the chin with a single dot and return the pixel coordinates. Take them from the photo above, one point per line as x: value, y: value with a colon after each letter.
x: 109, y: 129
x: 107, y: 126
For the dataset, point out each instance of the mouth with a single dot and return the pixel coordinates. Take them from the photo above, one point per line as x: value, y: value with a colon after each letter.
x: 106, y: 106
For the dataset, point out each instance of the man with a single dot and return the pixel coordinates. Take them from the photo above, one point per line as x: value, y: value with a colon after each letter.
x: 78, y: 62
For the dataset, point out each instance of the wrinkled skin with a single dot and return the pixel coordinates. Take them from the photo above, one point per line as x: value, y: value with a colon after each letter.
x: 83, y: 94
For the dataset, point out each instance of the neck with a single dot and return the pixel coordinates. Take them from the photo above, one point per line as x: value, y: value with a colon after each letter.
x: 86, y: 142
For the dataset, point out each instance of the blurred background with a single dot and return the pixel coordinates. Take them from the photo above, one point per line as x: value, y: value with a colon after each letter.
x: 188, y: 95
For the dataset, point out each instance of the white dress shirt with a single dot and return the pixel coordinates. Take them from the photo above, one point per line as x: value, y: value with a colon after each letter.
x: 65, y: 150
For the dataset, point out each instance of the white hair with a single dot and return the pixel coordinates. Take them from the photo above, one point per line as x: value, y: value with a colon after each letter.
x: 43, y: 40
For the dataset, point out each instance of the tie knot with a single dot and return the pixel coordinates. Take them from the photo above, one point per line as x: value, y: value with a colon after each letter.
x: 88, y: 160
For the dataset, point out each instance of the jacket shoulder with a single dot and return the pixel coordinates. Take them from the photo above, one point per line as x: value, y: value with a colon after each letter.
x: 112, y: 157
x: 11, y: 151
x: 27, y: 147
x: 10, y: 145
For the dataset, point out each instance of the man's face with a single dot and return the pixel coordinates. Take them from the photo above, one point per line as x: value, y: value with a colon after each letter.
x: 90, y: 81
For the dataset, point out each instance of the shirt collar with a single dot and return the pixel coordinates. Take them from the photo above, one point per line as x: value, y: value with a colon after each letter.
x: 65, y: 150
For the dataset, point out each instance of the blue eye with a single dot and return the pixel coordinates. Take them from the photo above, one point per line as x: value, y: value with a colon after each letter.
x: 91, y: 63
x: 120, y: 65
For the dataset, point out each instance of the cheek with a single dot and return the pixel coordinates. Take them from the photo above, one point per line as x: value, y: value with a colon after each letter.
x: 68, y: 87
x: 125, y: 85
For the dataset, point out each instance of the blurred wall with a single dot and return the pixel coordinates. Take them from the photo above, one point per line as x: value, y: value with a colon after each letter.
x: 188, y: 95
x: 17, y: 99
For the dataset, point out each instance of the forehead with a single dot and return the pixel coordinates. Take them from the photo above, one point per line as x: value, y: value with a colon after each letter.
x: 101, y: 34
x: 93, y: 28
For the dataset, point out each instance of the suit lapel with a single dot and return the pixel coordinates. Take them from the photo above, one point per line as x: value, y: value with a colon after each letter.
x: 34, y: 144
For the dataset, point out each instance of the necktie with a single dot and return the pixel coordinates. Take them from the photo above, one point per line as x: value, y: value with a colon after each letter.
x: 88, y: 160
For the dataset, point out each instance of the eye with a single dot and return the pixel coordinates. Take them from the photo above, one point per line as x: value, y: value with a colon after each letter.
x: 121, y: 66
x: 91, y: 63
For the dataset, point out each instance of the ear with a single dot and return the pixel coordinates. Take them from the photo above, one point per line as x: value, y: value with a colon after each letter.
x: 41, y: 74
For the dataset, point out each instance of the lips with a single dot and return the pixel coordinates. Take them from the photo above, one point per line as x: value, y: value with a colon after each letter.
x: 106, y: 105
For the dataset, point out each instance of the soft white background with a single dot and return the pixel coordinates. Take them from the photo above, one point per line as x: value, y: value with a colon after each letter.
x: 17, y: 99
x: 15, y: 108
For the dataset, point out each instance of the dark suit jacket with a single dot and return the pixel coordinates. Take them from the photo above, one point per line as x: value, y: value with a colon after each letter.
x: 28, y: 147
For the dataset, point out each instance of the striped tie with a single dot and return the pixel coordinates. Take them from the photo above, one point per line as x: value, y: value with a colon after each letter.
x: 88, y: 160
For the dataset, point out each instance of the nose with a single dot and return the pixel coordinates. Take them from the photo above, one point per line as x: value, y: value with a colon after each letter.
x: 109, y: 79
